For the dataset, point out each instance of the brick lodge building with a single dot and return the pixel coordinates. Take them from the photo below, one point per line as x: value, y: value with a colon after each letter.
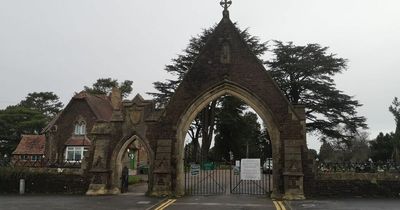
x: 66, y: 141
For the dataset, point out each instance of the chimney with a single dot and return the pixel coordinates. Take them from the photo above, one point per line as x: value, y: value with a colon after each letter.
x: 116, y: 98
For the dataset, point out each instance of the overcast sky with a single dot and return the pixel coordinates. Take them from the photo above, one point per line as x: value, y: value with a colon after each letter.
x: 60, y: 46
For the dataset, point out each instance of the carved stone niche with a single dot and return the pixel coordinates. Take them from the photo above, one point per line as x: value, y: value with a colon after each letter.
x: 225, y: 53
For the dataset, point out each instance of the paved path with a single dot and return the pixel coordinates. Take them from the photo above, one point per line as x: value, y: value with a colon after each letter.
x: 223, y: 202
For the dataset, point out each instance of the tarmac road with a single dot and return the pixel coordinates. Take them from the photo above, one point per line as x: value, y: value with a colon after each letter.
x: 134, y: 199
x: 222, y: 202
x: 65, y: 202
x: 345, y: 204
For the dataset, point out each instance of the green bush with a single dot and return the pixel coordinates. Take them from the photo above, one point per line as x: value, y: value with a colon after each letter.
x: 41, y: 182
x: 134, y: 179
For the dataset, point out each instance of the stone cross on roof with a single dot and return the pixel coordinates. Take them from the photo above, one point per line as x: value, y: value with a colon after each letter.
x: 225, y: 4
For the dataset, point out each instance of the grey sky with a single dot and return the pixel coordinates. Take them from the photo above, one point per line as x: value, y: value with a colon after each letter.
x: 60, y: 46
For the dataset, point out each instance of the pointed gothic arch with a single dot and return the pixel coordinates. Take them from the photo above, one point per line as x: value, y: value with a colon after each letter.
x: 225, y: 65
x: 117, y: 157
x: 233, y: 89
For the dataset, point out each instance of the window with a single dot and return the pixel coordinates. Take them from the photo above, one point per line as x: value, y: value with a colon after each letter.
x: 80, y: 128
x: 75, y: 153
x: 24, y: 157
x: 35, y: 157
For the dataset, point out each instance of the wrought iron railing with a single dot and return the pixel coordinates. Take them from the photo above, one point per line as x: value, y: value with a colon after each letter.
x: 40, y: 163
x: 359, y: 167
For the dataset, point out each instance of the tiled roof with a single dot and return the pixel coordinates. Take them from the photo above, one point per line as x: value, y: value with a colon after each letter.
x: 31, y: 145
x: 78, y: 141
x: 99, y: 104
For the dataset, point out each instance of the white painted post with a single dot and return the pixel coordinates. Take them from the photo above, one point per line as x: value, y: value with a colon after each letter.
x: 21, y: 186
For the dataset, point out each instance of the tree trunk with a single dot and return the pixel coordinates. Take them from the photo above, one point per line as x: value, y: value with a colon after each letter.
x: 207, y: 118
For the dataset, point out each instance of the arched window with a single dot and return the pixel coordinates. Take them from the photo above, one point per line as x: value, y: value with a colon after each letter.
x: 80, y: 128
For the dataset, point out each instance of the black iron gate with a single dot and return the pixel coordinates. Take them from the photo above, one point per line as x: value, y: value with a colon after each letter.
x: 213, y: 178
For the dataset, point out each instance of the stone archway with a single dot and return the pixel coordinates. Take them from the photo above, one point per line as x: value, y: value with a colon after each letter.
x: 117, y: 156
x: 224, y: 66
x: 243, y: 76
x: 225, y: 88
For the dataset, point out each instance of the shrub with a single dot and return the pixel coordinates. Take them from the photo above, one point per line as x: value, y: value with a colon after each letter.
x: 134, y: 179
x: 41, y: 182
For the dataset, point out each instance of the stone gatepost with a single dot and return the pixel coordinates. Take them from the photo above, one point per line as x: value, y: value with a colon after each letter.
x: 99, y: 173
x: 294, y: 140
x: 162, y: 184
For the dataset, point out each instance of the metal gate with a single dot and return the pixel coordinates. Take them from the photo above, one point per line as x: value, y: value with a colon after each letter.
x: 216, y: 178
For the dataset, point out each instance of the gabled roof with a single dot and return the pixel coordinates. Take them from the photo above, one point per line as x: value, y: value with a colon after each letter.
x: 31, y: 145
x: 100, y: 105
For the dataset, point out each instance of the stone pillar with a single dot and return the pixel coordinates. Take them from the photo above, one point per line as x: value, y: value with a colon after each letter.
x: 162, y: 184
x: 301, y: 113
x: 99, y: 173
x: 294, y: 140
x: 293, y: 171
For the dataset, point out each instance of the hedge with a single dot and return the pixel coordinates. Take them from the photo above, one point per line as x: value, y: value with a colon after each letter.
x: 41, y: 182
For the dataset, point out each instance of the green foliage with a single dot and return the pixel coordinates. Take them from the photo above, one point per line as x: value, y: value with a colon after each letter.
x: 356, y: 150
x: 305, y: 75
x: 203, y: 127
x: 382, y: 147
x: 45, y: 102
x: 238, y: 131
x: 185, y: 61
x: 134, y: 180
x: 15, y: 121
x: 30, y: 116
x: 105, y: 85
x: 41, y: 182
x: 395, y: 110
x: 387, y: 146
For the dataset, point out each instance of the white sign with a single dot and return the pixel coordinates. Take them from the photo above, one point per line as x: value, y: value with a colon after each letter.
x: 237, y: 163
x: 194, y: 169
x: 250, y: 169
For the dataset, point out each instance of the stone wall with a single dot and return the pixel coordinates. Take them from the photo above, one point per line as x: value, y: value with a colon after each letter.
x: 350, y: 184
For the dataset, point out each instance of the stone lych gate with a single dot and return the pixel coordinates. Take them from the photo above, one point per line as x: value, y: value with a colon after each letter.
x: 225, y: 66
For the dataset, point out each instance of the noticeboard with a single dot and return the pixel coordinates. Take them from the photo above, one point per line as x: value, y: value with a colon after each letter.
x: 250, y: 169
x: 194, y: 169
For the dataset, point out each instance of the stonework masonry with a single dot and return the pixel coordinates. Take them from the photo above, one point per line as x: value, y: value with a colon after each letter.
x: 226, y: 66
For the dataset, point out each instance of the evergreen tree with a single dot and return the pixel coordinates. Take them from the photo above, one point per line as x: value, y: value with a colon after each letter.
x: 104, y: 86
x: 395, y: 110
x: 238, y: 130
x: 18, y: 120
x: 305, y: 75
x: 382, y: 147
x: 205, y: 120
x: 45, y: 102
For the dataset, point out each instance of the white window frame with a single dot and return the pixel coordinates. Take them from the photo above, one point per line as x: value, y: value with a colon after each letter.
x: 80, y: 150
x: 80, y: 128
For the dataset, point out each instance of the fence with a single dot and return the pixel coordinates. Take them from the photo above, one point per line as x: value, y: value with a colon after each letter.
x: 40, y: 163
x: 359, y: 167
